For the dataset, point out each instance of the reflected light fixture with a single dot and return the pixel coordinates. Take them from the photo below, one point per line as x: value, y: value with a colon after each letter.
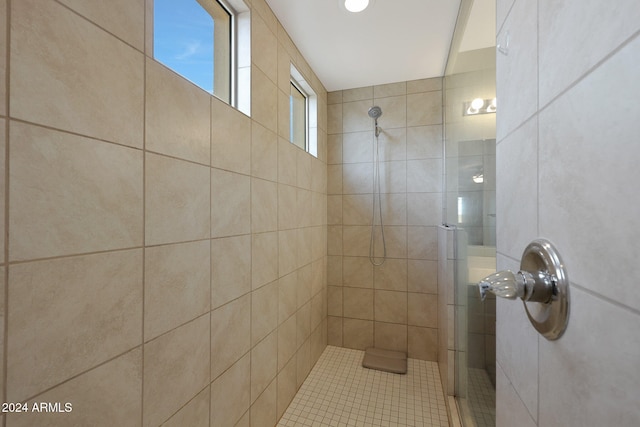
x: 478, y: 179
x: 479, y: 106
x: 356, y: 5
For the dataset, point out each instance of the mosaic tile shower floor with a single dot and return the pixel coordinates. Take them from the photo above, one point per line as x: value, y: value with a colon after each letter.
x: 340, y: 392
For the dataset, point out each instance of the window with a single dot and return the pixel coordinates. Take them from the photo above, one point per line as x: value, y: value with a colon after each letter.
x: 303, y: 116
x: 199, y: 40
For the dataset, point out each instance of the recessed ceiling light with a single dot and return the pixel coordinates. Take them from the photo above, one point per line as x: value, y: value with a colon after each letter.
x: 356, y: 5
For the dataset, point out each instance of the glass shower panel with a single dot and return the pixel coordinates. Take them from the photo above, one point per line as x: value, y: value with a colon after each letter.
x: 470, y: 195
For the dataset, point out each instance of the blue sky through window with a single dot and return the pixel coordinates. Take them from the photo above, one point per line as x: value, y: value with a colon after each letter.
x: 183, y: 40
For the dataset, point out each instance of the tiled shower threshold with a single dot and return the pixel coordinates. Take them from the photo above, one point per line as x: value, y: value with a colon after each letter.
x: 340, y: 392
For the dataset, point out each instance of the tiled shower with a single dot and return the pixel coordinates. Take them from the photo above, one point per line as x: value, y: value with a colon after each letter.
x: 394, y: 305
x: 172, y: 261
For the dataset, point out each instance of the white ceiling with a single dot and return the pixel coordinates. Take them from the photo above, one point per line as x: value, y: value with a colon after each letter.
x: 391, y: 41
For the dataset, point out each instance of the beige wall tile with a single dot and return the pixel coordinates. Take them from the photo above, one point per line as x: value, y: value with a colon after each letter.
x: 334, y: 303
x: 303, y: 202
x: 334, y: 331
x: 264, y: 311
x: 70, y: 194
x: 230, y: 138
x: 393, y: 177
x: 391, y: 89
x: 357, y: 334
x: 357, y: 209
x: 394, y: 110
x: 392, y: 275
x: 303, y: 324
x: 509, y: 408
x: 287, y: 207
x: 231, y: 394
x: 3, y: 58
x: 287, y: 251
x: 102, y: 97
x: 177, y: 200
x: 89, y: 310
x: 390, y: 306
x: 424, y: 176
x: 287, y: 296
x: 424, y: 109
x: 357, y: 94
x: 194, y: 413
x: 287, y: 162
x: 518, y: 71
x: 518, y: 225
x: 176, y: 368
x: 334, y: 270
x: 334, y: 119
x: 357, y: 147
x: 263, y: 365
x: 230, y: 203
x: 177, y: 285
x: 423, y: 243
x: 424, y: 209
x: 356, y: 240
x: 396, y: 240
x: 422, y: 276
x: 424, y: 142
x: 393, y: 144
x: 177, y: 115
x: 264, y: 259
x: 423, y: 310
x: 105, y: 396
x: 303, y: 173
x: 593, y: 30
x: 303, y: 363
x: 334, y: 97
x: 286, y: 387
x: 600, y: 332
x: 264, y: 153
x: 357, y: 272
x: 305, y: 276
x: 230, y: 334
x: 121, y: 17
x: 424, y: 85
x: 394, y: 209
x: 334, y: 240
x: 334, y: 149
x: 264, y: 47
x: 334, y: 179
x: 3, y: 145
x: 263, y: 410
x: 264, y: 205
x: 264, y: 100
x: 334, y: 209
x: 423, y: 343
x: 390, y: 336
x: 358, y: 303
x: 354, y: 116
x: 287, y: 341
x: 230, y: 269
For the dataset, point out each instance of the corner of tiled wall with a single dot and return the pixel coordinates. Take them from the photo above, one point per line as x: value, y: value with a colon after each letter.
x: 167, y: 258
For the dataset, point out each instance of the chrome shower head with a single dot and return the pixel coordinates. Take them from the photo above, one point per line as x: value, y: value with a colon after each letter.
x: 375, y: 112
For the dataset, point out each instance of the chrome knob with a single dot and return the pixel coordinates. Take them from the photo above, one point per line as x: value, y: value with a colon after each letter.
x: 523, y: 285
x: 541, y: 284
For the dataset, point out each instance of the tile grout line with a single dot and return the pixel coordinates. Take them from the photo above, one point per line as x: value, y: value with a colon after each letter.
x: 5, y: 291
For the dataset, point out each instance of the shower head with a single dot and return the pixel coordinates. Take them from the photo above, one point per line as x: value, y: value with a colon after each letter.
x: 375, y: 112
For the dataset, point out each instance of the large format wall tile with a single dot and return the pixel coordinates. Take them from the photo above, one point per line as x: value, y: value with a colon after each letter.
x: 585, y: 160
x: 517, y: 72
x: 120, y: 17
x: 103, y: 95
x: 230, y: 334
x: 230, y: 138
x: 176, y: 368
x: 177, y: 285
x: 581, y: 365
x: 231, y: 394
x: 177, y: 115
x: 194, y: 413
x: 177, y: 199
x: 583, y: 25
x: 230, y: 269
x: 94, y: 397
x: 78, y: 311
x: 3, y: 57
x: 70, y: 194
x: 230, y: 203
